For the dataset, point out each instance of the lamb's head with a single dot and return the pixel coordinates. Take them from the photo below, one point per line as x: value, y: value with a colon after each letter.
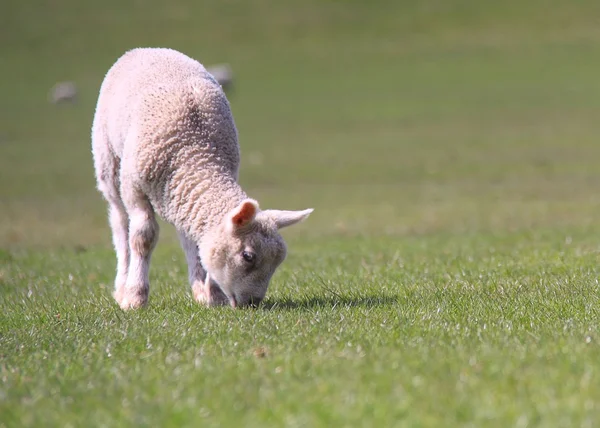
x: 242, y: 253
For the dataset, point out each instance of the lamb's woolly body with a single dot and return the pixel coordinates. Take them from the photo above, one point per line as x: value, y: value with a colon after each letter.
x: 169, y: 122
x: 164, y: 141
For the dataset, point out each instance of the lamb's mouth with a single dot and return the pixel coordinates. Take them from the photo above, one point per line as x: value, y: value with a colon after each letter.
x: 254, y: 302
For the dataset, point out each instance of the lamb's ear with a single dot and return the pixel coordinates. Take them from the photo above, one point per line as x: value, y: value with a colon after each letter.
x: 243, y: 214
x: 287, y: 218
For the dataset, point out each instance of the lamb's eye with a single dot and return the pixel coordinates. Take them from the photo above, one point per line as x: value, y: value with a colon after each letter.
x: 248, y: 256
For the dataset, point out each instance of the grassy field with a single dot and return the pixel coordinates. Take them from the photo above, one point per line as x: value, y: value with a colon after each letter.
x: 449, y: 273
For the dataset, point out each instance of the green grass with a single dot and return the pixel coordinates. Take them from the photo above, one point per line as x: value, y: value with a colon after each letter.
x: 449, y: 273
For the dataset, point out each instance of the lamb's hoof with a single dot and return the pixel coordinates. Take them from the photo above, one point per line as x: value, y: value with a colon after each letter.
x: 132, y: 299
x: 119, y: 293
x: 214, y: 296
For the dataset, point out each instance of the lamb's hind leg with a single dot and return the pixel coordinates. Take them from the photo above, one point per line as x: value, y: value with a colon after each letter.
x: 143, y: 235
x: 207, y: 294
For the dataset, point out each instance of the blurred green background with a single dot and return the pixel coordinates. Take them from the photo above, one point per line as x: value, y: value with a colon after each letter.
x: 449, y: 273
x: 388, y: 117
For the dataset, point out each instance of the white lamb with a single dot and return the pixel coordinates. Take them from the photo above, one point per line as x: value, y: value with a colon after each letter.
x: 164, y: 141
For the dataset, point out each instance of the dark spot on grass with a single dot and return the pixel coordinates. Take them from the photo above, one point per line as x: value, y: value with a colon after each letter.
x: 5, y: 256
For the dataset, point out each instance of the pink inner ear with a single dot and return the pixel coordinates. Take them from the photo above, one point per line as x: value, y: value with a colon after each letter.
x: 245, y: 214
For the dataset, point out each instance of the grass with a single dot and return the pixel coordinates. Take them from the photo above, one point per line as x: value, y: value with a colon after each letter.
x: 437, y: 330
x: 448, y: 276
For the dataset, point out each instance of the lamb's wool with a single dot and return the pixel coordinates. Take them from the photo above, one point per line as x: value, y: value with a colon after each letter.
x: 183, y: 144
x: 164, y: 141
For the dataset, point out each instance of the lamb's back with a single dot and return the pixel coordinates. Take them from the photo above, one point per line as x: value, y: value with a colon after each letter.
x: 166, y: 108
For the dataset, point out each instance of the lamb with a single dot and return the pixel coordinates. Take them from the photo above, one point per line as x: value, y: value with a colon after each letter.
x: 164, y: 143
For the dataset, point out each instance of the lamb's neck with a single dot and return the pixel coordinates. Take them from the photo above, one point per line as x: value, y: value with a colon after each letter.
x: 200, y: 201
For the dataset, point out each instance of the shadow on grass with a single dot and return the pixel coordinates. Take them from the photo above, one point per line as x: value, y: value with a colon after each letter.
x: 316, y: 302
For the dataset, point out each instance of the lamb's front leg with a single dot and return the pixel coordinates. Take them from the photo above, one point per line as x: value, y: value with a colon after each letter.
x: 207, y: 294
x: 143, y: 235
